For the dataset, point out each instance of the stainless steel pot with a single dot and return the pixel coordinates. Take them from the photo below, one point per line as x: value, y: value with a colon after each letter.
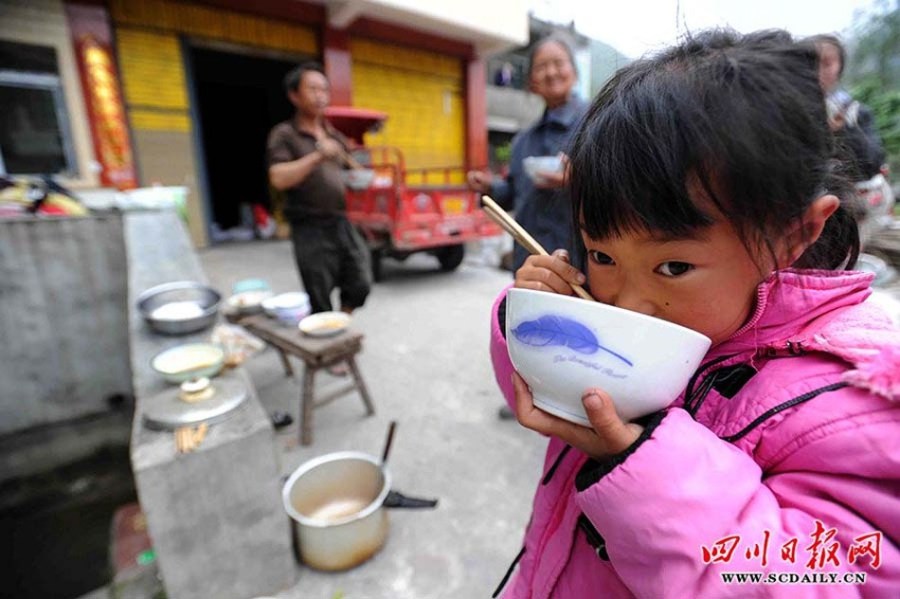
x: 337, y: 502
x: 197, y: 306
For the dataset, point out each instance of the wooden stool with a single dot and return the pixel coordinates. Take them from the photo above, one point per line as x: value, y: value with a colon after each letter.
x: 316, y: 353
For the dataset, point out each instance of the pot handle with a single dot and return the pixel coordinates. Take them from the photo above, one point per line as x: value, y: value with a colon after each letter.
x: 399, y: 500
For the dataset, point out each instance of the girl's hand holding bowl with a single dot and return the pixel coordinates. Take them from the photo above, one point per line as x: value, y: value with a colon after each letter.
x: 588, y: 368
x: 607, y: 436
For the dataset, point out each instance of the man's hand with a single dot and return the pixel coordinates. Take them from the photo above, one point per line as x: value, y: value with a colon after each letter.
x: 554, y: 179
x: 329, y: 148
x: 479, y: 181
x: 607, y: 436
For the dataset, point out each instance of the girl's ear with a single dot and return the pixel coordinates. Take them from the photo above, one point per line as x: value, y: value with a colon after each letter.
x: 807, y: 230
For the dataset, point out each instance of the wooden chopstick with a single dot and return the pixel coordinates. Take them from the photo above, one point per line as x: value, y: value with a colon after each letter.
x: 188, y: 438
x: 346, y: 157
x: 509, y: 224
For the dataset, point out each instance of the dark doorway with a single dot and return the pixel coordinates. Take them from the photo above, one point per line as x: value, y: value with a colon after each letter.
x: 239, y: 99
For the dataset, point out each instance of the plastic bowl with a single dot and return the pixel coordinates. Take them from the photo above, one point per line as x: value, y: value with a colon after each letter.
x: 360, y: 178
x: 250, y: 285
x: 190, y: 361
x: 538, y: 166
x: 180, y: 307
x: 562, y: 346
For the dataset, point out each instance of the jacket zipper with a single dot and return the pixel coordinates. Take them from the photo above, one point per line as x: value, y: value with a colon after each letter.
x: 556, y: 463
x: 508, y: 574
x: 781, y: 407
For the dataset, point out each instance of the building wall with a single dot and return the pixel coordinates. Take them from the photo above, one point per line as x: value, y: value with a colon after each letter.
x: 43, y: 23
x: 496, y: 20
x: 156, y: 97
x: 148, y: 37
x: 63, y: 317
x: 422, y: 93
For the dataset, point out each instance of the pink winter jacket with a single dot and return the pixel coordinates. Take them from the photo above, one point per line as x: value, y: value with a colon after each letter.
x: 790, y: 422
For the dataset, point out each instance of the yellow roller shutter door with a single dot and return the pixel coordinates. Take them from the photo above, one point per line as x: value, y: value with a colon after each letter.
x: 215, y: 23
x: 151, y: 61
x: 422, y: 93
x: 154, y: 80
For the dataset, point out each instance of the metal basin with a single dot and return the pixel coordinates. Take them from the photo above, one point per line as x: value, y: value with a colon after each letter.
x: 180, y: 307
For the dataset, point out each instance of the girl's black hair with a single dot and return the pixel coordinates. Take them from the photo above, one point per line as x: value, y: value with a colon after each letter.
x: 739, y: 119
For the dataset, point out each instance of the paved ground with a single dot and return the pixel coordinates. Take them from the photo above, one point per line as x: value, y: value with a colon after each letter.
x: 425, y: 359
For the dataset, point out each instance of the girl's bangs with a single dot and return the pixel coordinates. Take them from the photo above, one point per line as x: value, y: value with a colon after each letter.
x: 632, y: 167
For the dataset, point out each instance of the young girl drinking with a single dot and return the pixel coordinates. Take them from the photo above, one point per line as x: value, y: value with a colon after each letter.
x: 704, y: 196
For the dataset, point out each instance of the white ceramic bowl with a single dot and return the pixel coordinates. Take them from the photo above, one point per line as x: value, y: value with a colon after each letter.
x: 358, y: 178
x: 184, y: 362
x: 289, y: 308
x: 562, y: 346
x: 248, y: 302
x: 538, y: 166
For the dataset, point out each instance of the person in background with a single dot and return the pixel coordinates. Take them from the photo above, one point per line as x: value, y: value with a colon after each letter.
x: 503, y: 78
x: 859, y: 145
x: 543, y: 209
x: 702, y: 185
x: 305, y: 156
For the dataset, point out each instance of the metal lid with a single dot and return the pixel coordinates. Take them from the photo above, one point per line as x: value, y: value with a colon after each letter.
x: 169, y: 411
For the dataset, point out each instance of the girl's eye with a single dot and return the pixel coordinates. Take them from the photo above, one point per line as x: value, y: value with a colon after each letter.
x: 674, y: 269
x: 600, y: 258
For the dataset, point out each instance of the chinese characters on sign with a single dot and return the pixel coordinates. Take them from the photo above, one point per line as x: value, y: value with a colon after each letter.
x: 824, y: 549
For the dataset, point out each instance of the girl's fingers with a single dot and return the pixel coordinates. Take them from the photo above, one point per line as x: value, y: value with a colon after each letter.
x: 531, y: 417
x: 617, y: 435
x: 527, y: 414
x: 549, y: 273
x: 561, y: 265
x: 524, y: 405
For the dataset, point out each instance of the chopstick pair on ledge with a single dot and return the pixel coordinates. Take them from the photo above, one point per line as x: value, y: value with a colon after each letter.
x: 509, y: 224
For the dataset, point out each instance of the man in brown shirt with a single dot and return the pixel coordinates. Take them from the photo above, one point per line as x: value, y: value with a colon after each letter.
x: 305, y: 161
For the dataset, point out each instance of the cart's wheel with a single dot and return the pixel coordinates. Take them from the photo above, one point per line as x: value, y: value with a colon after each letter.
x: 376, y: 254
x: 450, y: 256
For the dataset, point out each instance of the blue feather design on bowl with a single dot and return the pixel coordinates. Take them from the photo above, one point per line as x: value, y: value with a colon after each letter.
x: 551, y: 330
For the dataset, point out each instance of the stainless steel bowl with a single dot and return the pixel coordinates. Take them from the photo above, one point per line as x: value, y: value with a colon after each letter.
x: 194, y: 307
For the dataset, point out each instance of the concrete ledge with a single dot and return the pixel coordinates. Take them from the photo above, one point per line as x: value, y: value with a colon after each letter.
x: 214, y: 515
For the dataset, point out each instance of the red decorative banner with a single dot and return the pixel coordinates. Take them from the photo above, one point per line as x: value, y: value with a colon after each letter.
x: 107, y: 111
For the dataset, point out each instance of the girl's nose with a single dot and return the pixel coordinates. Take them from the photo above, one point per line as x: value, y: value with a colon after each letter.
x: 630, y: 297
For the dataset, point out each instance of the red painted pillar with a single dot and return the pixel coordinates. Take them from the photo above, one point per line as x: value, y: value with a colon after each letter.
x: 476, y: 114
x: 337, y: 62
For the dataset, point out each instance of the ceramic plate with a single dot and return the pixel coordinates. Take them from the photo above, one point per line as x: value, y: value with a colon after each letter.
x: 325, y: 324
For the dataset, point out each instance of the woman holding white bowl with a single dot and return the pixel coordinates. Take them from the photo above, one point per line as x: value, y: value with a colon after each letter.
x: 540, y: 203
